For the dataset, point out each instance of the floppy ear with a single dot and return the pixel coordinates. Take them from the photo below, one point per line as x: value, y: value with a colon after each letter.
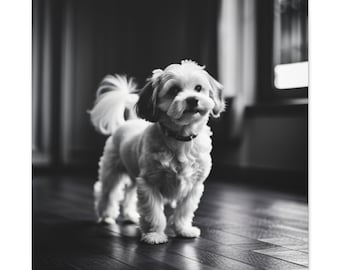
x: 216, y: 93
x: 145, y: 105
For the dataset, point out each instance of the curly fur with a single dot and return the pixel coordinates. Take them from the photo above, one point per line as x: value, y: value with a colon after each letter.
x: 142, y: 168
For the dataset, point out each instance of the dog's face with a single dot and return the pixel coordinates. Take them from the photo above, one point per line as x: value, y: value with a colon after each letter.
x: 183, y: 93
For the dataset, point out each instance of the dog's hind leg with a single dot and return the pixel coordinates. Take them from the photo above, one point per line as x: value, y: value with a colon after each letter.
x: 129, y: 204
x: 108, y: 190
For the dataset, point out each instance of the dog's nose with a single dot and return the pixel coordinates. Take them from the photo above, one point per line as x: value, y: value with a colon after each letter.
x: 192, y: 102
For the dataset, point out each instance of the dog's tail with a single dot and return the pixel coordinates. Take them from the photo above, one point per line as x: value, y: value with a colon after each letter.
x: 115, y: 101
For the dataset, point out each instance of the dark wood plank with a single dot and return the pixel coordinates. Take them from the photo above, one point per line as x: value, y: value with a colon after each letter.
x: 286, y: 254
x: 241, y: 229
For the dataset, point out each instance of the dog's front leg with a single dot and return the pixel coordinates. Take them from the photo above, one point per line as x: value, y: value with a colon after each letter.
x: 184, y: 213
x: 151, y: 209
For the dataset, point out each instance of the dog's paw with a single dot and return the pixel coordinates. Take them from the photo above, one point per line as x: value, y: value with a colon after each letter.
x: 189, y: 232
x: 107, y: 220
x: 154, y: 238
x: 132, y: 217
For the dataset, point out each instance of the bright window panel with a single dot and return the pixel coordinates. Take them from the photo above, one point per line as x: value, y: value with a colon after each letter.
x: 290, y: 76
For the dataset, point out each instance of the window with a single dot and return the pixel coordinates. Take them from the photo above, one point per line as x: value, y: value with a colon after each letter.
x: 290, y: 51
x: 282, y: 51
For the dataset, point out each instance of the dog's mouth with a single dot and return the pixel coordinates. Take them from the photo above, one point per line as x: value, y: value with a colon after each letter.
x: 193, y: 111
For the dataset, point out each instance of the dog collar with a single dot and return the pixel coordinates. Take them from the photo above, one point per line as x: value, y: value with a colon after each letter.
x: 170, y: 133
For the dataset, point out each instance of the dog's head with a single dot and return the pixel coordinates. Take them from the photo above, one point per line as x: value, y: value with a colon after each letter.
x: 184, y: 93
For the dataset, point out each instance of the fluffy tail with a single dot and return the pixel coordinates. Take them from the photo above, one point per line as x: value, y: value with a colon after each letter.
x: 114, y: 96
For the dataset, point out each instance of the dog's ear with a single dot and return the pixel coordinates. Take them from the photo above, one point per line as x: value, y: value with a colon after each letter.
x: 146, y: 106
x: 216, y: 93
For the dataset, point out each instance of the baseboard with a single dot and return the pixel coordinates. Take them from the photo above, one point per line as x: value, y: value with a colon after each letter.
x: 282, y: 180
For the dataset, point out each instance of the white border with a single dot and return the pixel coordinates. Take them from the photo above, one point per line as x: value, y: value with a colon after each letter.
x: 324, y: 134
x: 15, y: 140
x: 15, y: 113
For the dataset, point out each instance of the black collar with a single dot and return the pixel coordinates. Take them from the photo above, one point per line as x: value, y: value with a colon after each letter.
x: 170, y: 133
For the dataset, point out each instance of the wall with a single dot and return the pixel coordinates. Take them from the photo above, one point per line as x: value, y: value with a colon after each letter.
x: 273, y: 138
x: 75, y: 43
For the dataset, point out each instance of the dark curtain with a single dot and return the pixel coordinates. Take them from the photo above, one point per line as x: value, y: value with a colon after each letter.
x: 138, y: 36
x: 77, y: 42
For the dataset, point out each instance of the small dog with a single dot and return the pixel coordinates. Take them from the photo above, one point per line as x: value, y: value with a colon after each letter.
x: 163, y: 159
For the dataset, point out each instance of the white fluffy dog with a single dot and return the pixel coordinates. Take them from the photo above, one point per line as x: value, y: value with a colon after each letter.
x: 163, y: 160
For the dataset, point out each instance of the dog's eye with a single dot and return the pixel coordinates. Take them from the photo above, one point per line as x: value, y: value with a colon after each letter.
x: 174, y: 90
x: 198, y: 87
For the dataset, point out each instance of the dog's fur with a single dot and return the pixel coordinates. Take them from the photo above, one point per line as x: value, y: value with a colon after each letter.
x: 143, y: 167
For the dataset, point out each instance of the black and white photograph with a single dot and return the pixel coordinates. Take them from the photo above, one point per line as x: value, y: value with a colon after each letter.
x: 170, y: 134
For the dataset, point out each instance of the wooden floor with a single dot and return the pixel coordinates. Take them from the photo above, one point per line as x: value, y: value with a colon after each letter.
x: 242, y: 228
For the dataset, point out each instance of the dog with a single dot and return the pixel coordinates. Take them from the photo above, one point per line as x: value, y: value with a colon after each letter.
x: 158, y: 149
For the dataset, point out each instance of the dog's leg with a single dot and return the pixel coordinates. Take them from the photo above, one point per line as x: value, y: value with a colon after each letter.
x: 107, y: 203
x: 129, y: 205
x: 151, y: 209
x: 184, y: 213
x: 108, y: 190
